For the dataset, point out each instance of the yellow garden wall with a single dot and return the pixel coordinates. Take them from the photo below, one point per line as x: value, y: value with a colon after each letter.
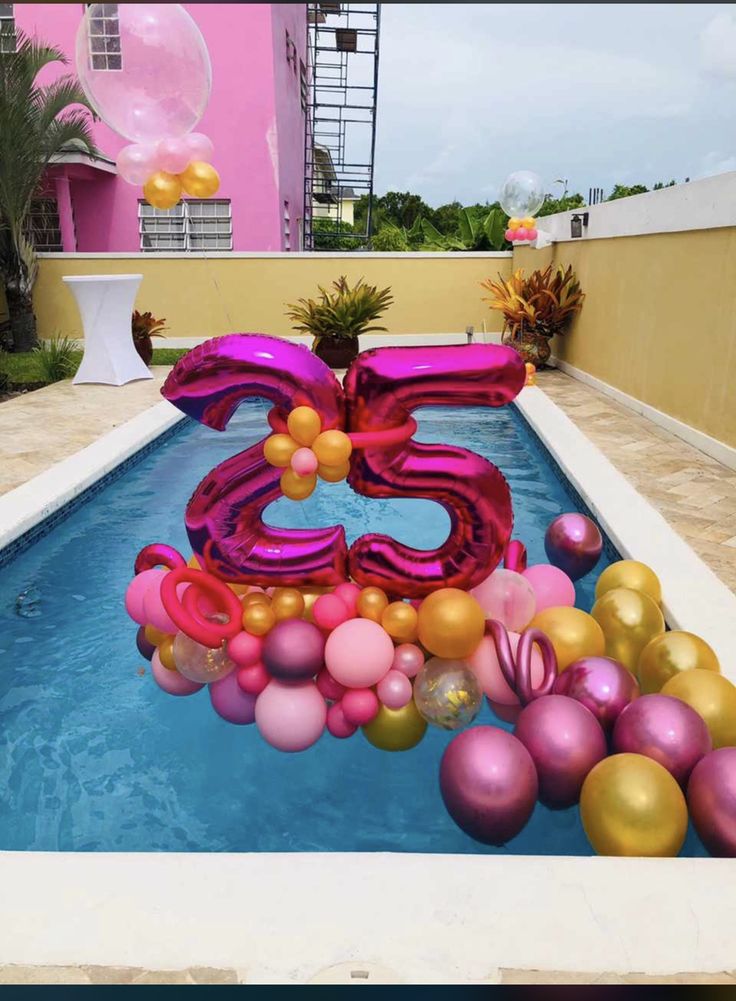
x: 203, y: 297
x: 659, y: 320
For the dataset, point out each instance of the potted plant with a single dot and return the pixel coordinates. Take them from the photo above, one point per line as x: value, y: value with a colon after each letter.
x: 337, y: 318
x: 535, y: 308
x: 145, y: 326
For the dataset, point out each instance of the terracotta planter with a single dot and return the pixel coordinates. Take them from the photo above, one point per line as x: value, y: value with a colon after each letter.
x: 532, y: 347
x: 337, y: 352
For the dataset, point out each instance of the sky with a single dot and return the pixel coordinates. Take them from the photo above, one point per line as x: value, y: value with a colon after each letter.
x: 595, y: 94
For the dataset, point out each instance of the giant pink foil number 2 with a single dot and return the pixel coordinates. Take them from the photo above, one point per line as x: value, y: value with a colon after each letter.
x: 224, y: 517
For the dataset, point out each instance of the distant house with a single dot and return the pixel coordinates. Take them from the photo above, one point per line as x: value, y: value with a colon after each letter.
x: 255, y: 119
x: 329, y: 200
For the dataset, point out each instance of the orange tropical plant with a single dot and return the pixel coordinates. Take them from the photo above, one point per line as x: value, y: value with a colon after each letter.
x: 542, y: 304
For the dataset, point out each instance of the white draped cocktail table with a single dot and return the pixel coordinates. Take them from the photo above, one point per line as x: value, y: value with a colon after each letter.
x: 106, y: 305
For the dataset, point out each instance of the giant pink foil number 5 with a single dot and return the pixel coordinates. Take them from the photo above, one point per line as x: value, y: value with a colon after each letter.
x: 224, y: 517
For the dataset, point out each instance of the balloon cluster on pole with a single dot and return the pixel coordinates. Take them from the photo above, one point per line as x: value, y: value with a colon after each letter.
x: 521, y: 196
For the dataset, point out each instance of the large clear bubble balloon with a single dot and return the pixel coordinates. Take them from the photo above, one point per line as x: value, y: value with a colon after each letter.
x: 200, y: 663
x: 144, y: 68
x: 522, y: 194
x: 447, y: 693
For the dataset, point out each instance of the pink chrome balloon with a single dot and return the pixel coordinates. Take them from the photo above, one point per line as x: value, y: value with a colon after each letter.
x: 136, y: 591
x: 506, y: 596
x: 552, y: 587
x: 665, y: 729
x: 294, y: 650
x: 172, y: 682
x: 231, y: 702
x: 711, y: 799
x: 224, y: 516
x: 573, y: 543
x: 360, y: 706
x: 601, y: 684
x: 395, y: 690
x: 409, y: 659
x: 383, y: 387
x: 337, y: 725
x: 488, y: 783
x: 136, y: 163
x: 515, y: 557
x: 291, y: 717
x: 565, y: 741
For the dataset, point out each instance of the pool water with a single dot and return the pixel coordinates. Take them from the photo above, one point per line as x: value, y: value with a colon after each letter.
x: 94, y: 757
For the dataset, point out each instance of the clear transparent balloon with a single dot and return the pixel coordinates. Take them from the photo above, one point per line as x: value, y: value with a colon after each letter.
x: 447, y: 693
x: 522, y: 194
x: 144, y: 68
x: 200, y: 663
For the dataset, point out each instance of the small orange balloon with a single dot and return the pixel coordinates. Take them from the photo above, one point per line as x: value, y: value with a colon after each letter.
x: 529, y: 222
x: 304, y: 425
x: 514, y: 223
x: 200, y: 179
x: 451, y: 623
x: 332, y: 448
x: 399, y: 619
x: 155, y: 636
x: 255, y: 598
x: 287, y: 603
x: 166, y: 653
x: 297, y: 487
x: 258, y: 619
x: 278, y: 450
x: 162, y: 190
x: 333, y: 474
x: 372, y: 603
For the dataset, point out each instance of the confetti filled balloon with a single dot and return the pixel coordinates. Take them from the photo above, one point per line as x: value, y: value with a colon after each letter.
x: 629, y: 620
x: 711, y: 797
x: 665, y: 729
x: 447, y: 693
x: 200, y: 663
x: 670, y: 654
x: 573, y: 543
x: 603, y: 686
x: 521, y: 196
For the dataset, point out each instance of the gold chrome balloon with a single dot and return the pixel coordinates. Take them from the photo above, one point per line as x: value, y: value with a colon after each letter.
x: 166, y: 653
x: 399, y: 620
x: 200, y: 179
x: 278, y: 449
x: 332, y: 448
x: 671, y: 654
x: 573, y: 633
x: 631, y: 805
x: 396, y: 729
x: 255, y: 598
x: 333, y: 474
x: 154, y: 635
x: 258, y: 619
x: 451, y: 623
x: 162, y: 190
x: 629, y: 620
x: 287, y: 603
x: 632, y: 574
x: 297, y: 488
x: 304, y: 424
x: 711, y: 696
x: 372, y: 602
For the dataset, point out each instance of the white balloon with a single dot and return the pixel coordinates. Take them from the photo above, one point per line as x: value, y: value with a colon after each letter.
x: 522, y: 194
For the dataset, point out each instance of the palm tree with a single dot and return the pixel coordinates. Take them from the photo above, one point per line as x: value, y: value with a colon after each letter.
x: 37, y: 123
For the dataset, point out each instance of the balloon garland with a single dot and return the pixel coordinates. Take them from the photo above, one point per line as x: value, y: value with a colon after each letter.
x: 296, y: 634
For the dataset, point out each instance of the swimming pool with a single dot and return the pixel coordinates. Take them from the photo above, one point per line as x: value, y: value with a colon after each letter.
x: 94, y: 757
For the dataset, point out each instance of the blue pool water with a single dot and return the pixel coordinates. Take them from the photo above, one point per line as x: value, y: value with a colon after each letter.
x: 94, y: 757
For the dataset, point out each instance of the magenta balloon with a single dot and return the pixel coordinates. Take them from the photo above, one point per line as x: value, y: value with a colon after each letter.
x: 666, y: 729
x: 383, y: 387
x: 601, y: 684
x: 515, y: 556
x: 231, y: 702
x: 337, y: 725
x: 573, y: 543
x: 330, y: 689
x: 488, y: 783
x: 565, y: 741
x: 291, y: 717
x: 395, y: 690
x: 158, y: 554
x: 224, y: 517
x: 294, y: 650
x: 711, y: 799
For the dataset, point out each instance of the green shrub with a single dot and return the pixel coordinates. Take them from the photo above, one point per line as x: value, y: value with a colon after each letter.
x: 389, y: 239
x: 56, y: 359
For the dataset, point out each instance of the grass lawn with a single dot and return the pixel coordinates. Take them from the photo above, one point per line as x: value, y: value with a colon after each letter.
x: 25, y: 368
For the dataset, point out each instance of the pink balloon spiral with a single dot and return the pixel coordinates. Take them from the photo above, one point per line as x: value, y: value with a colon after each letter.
x: 517, y: 671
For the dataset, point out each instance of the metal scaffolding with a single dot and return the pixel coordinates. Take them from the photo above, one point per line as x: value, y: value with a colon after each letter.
x: 340, y: 137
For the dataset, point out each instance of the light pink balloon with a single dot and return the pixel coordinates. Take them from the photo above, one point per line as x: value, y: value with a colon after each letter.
x: 231, y: 702
x: 522, y: 234
x: 360, y: 706
x: 395, y: 690
x: 304, y: 462
x: 171, y: 681
x: 245, y: 649
x: 507, y: 597
x: 358, y: 653
x: 199, y: 146
x: 291, y: 717
x: 136, y: 592
x: 337, y: 725
x: 552, y: 587
x: 348, y: 593
x: 409, y: 659
x: 136, y: 163
x: 154, y: 611
x: 484, y: 663
x: 172, y: 155
x: 329, y: 611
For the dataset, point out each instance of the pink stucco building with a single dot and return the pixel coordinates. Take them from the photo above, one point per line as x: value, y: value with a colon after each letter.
x: 256, y: 119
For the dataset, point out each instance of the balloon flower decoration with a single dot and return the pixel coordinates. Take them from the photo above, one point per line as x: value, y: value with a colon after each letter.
x: 146, y: 72
x: 522, y: 195
x: 298, y: 635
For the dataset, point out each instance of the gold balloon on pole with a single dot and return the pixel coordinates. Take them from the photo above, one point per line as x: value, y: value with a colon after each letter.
x: 711, y: 696
x: 162, y: 190
x: 200, y: 179
x: 396, y: 729
x: 629, y: 620
x: 669, y: 655
x: 631, y: 805
x: 573, y: 633
x: 451, y: 623
x: 372, y: 602
x: 632, y: 574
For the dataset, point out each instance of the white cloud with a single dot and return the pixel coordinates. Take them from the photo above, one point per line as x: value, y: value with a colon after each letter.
x: 718, y: 47
x: 716, y: 162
